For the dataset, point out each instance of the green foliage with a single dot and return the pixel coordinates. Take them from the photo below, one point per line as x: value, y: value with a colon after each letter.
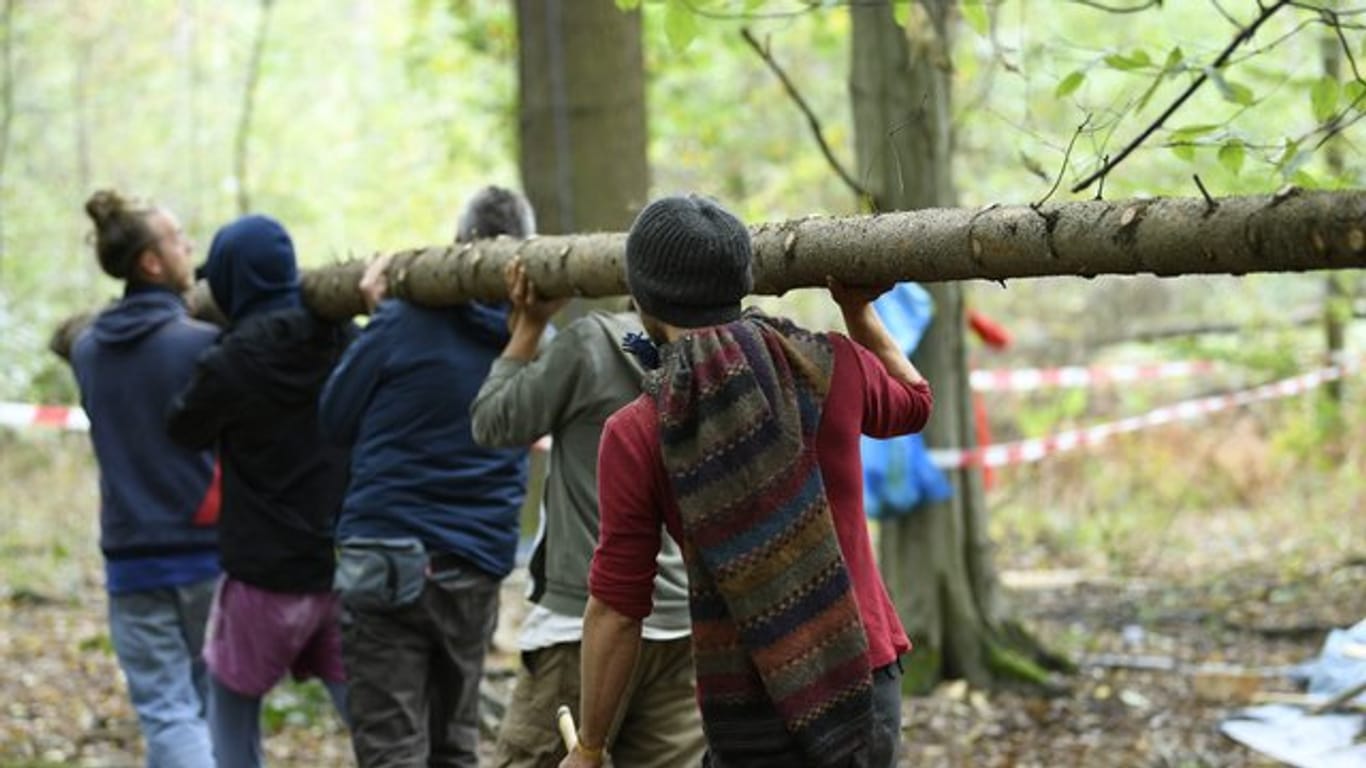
x: 975, y: 14
x: 372, y: 124
x: 1323, y: 98
x: 1070, y: 83
x: 295, y: 704
x: 1136, y: 59
x: 680, y: 23
x: 1232, y: 154
x: 901, y: 12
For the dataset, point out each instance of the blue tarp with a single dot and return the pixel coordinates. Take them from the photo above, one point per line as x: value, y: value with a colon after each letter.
x: 898, y: 475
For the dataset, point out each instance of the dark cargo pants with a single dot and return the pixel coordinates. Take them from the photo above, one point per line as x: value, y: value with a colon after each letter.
x: 414, y: 672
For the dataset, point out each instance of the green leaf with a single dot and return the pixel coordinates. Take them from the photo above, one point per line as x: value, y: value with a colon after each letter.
x: 1231, y: 91
x: 1355, y: 94
x: 1169, y: 67
x: 1291, y: 159
x: 1287, y: 152
x: 628, y: 5
x: 1232, y: 154
x: 1323, y: 97
x: 1070, y: 83
x: 901, y: 12
x: 680, y: 24
x: 1137, y: 59
x: 1303, y: 178
x: 1188, y: 132
x: 1184, y: 151
x: 975, y: 14
x: 1174, y: 59
x: 1241, y: 94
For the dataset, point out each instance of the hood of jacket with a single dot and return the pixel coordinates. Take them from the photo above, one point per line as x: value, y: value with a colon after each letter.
x: 144, y: 309
x: 252, y: 269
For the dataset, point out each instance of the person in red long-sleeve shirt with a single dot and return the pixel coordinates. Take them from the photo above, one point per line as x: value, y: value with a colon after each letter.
x: 745, y: 449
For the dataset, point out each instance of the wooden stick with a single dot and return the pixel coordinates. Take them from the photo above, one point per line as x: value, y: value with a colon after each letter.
x: 1299, y: 700
x: 568, y: 733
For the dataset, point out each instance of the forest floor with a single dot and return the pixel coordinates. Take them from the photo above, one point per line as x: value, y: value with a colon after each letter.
x: 65, y: 704
x: 1225, y: 602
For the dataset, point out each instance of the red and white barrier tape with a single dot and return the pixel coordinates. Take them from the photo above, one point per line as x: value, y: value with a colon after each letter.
x: 1027, y: 451
x: 1028, y: 379
x: 1000, y: 455
x: 53, y: 416
x: 73, y: 418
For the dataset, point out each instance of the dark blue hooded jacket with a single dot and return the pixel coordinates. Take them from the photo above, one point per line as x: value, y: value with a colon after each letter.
x: 401, y: 397
x: 255, y: 395
x: 157, y: 501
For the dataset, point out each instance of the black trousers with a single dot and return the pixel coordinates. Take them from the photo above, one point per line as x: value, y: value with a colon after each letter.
x: 414, y: 672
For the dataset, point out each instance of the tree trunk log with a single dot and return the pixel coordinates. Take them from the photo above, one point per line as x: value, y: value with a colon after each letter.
x: 1292, y: 231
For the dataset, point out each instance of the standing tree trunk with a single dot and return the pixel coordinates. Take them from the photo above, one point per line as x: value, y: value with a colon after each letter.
x: 241, y: 148
x: 7, y: 113
x: 1337, y: 304
x: 936, y: 561
x: 581, y: 113
x: 583, y: 143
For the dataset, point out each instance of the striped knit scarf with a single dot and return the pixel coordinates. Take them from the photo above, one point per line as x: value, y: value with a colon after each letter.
x: 779, y: 646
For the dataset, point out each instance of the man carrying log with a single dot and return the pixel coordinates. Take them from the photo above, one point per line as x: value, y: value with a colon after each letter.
x: 745, y: 447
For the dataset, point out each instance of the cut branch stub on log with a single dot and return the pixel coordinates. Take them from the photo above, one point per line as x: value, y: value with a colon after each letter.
x: 1290, y: 231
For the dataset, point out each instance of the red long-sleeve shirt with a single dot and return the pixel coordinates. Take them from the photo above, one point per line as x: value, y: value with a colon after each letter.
x: 636, y: 500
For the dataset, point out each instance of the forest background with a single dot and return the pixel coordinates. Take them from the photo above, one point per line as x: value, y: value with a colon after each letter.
x: 370, y: 121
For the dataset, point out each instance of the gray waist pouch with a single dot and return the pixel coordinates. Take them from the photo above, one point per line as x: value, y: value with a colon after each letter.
x: 379, y: 574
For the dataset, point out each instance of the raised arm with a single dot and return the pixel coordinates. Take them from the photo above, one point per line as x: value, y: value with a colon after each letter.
x: 525, y: 395
x: 866, y: 328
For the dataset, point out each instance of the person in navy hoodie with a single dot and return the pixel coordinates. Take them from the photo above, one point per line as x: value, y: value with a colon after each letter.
x: 430, y: 523
x: 255, y: 396
x: 158, y: 501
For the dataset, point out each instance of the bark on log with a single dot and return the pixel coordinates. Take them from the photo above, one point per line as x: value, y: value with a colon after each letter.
x: 1290, y: 231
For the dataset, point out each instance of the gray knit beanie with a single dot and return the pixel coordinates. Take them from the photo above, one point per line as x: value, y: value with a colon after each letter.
x: 687, y: 262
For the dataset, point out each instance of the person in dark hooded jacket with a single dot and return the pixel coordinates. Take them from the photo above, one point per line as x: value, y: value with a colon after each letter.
x: 158, y: 501
x: 430, y: 523
x: 255, y: 396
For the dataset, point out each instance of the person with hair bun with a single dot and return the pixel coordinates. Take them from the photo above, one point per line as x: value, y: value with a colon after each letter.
x: 158, y: 501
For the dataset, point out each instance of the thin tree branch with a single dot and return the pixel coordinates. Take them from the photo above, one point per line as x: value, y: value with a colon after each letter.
x: 1334, y: 20
x: 857, y: 188
x: 1209, y: 201
x: 1065, y: 157
x: 1227, y: 16
x: 248, y: 101
x: 1243, y: 36
x: 1120, y: 8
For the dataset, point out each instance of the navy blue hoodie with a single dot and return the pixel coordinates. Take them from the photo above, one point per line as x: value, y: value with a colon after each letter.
x: 255, y: 395
x: 401, y: 396
x: 158, y: 503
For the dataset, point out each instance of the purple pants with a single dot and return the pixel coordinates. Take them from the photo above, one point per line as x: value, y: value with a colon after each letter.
x: 255, y: 636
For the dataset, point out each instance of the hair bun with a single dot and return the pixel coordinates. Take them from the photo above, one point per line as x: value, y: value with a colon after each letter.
x: 104, y: 205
